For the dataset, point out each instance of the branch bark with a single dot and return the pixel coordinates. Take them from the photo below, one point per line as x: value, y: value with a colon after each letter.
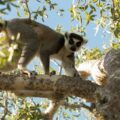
x: 43, y: 85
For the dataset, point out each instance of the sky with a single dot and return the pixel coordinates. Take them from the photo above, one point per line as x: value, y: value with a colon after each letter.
x: 53, y: 20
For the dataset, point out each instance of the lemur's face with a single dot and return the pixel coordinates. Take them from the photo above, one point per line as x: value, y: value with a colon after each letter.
x: 73, y: 41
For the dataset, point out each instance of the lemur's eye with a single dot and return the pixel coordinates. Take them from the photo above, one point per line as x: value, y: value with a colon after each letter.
x: 71, y: 41
x: 78, y: 44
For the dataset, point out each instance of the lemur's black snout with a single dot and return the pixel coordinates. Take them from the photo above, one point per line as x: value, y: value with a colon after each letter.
x: 73, y: 48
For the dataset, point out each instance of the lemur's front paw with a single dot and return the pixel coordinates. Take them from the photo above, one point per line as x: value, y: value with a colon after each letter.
x: 53, y: 73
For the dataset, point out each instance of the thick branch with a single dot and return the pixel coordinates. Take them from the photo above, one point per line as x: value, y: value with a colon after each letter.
x: 54, y: 85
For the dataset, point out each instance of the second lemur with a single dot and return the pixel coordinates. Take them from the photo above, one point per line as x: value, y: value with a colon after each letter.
x: 36, y: 39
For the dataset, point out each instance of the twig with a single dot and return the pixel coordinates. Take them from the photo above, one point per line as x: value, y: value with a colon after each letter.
x: 75, y: 106
x: 26, y: 3
x: 53, y: 107
x: 5, y: 109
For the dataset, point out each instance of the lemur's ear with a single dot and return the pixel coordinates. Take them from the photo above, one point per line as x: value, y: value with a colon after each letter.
x: 66, y: 35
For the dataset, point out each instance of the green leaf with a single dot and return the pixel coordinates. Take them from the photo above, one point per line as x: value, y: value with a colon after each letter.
x: 18, y: 13
x: 62, y: 10
x: 93, y: 8
x: 3, y: 11
x: 85, y: 7
x: 95, y: 1
x: 87, y: 18
x: 14, y: 5
x: 8, y: 7
x: 91, y: 12
x: 2, y: 3
x: 99, y: 5
x: 81, y: 8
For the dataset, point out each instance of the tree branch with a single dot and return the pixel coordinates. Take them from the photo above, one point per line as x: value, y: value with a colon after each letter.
x: 44, y: 85
x: 75, y: 106
x: 53, y: 107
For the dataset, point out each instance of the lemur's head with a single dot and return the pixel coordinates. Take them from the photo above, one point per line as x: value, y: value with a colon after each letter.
x: 73, y: 41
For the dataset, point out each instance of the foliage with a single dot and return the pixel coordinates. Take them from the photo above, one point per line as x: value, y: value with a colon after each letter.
x: 104, y: 13
x: 8, y: 53
x: 13, y: 108
x: 87, y: 54
x: 6, y: 6
x: 16, y: 108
